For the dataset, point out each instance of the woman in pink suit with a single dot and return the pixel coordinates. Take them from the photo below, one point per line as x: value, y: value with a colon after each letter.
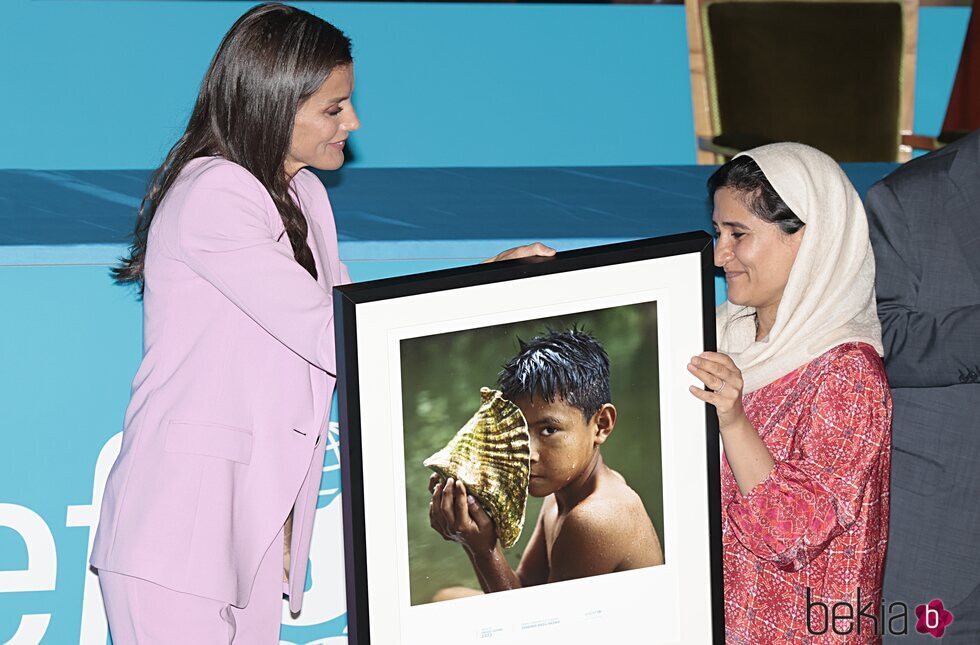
x: 236, y: 254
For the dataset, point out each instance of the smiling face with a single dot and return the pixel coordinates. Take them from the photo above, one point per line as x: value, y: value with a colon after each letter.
x: 563, y: 442
x: 756, y: 255
x: 323, y: 123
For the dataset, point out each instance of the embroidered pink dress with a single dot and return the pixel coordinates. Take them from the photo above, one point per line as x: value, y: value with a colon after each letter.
x: 816, y: 528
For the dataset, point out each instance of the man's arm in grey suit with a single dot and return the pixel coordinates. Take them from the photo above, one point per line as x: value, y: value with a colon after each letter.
x: 922, y: 349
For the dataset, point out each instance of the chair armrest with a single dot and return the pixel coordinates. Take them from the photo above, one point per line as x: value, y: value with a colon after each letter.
x: 706, y: 144
x: 921, y: 142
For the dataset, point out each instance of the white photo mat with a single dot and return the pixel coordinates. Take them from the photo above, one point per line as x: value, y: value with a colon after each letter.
x: 663, y: 604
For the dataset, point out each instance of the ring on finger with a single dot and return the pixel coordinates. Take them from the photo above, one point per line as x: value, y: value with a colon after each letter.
x: 723, y: 384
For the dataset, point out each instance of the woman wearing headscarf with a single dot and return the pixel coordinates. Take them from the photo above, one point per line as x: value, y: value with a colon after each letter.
x: 802, y: 399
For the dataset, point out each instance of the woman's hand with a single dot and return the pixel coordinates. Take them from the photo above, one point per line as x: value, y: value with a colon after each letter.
x: 459, y: 517
x: 719, y: 373
x: 747, y: 454
x: 528, y: 250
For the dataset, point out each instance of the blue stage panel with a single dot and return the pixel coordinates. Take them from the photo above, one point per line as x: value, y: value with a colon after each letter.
x: 81, y: 217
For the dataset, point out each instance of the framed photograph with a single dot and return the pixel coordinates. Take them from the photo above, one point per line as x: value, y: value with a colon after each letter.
x: 522, y: 460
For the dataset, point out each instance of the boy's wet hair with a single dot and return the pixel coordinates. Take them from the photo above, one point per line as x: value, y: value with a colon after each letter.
x: 568, y: 365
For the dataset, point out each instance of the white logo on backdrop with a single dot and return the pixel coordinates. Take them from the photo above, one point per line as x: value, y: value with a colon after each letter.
x: 41, y: 570
x: 322, y: 621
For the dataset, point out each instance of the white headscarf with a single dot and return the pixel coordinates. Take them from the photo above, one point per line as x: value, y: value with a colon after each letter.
x: 829, y: 298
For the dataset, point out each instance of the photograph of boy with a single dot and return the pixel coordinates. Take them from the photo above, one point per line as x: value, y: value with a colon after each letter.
x: 591, y: 521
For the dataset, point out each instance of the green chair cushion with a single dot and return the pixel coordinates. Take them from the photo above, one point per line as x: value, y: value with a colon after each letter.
x: 825, y: 74
x: 740, y: 141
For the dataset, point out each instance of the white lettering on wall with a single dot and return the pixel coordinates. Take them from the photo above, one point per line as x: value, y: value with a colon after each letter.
x: 94, y: 629
x: 41, y: 571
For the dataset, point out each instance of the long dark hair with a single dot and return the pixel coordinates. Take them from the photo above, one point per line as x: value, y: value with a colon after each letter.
x: 743, y: 175
x: 271, y: 60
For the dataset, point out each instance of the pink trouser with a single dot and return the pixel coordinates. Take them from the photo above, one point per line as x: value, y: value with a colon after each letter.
x: 143, y: 613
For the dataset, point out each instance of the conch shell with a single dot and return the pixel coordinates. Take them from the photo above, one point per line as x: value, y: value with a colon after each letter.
x: 491, y: 455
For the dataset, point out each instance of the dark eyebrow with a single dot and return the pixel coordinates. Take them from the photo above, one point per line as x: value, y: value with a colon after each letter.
x: 547, y: 421
x: 738, y: 225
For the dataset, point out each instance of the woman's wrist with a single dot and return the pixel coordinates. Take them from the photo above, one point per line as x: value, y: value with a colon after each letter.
x: 748, y: 456
x: 737, y: 424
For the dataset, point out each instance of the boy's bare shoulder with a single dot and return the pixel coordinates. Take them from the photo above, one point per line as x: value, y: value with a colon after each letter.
x: 606, y: 532
x: 594, y: 514
x: 588, y: 543
x: 607, y: 516
x: 617, y: 497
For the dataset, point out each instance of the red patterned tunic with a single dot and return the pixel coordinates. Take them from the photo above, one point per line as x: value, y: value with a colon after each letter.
x: 816, y: 528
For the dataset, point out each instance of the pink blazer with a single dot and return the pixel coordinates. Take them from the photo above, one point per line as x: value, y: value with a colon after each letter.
x: 224, y: 433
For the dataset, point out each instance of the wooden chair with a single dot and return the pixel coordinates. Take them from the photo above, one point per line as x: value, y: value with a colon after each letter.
x: 839, y: 76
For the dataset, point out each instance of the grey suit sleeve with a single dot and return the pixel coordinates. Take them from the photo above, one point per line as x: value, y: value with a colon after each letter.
x: 922, y: 348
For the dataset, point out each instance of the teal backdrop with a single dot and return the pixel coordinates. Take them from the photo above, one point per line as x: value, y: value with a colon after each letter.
x: 109, y: 84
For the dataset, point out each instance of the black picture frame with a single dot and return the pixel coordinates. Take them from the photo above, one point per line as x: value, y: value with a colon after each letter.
x: 351, y: 300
